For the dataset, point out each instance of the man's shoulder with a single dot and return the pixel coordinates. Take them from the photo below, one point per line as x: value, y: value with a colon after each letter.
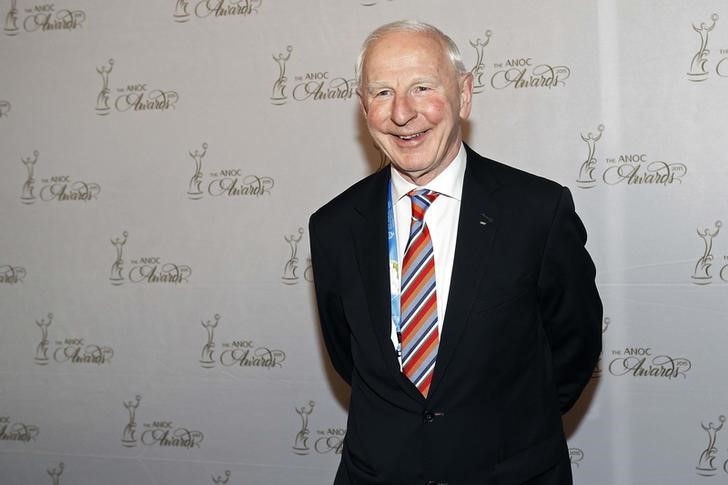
x: 341, y: 205
x: 510, y: 178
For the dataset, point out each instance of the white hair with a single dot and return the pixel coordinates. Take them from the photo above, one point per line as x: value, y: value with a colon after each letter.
x: 451, y: 49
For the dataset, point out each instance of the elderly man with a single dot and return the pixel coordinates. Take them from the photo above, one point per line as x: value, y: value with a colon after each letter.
x: 455, y: 293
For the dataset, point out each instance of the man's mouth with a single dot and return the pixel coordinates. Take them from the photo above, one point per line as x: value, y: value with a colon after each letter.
x: 410, y: 137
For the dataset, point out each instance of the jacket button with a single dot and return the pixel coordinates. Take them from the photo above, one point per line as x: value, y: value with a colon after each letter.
x: 429, y: 417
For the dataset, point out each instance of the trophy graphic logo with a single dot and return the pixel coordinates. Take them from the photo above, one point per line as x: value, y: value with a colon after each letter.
x: 4, y: 108
x: 300, y: 443
x: 220, y: 480
x: 698, y: 72
x: 116, y: 278
x: 194, y: 190
x: 41, y: 351
x: 128, y: 438
x: 705, y: 466
x: 11, y: 19
x: 181, y: 14
x: 478, y: 69
x: 279, y: 96
x: 586, y: 178
x: 701, y: 274
x: 206, y: 359
x: 576, y: 456
x: 102, y: 100
x: 12, y: 274
x: 56, y: 473
x: 289, y: 271
x: 27, y: 196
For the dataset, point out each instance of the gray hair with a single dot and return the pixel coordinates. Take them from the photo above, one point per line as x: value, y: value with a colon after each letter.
x: 451, y: 49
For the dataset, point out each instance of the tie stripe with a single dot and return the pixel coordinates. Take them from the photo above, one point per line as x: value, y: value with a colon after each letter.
x: 420, y: 336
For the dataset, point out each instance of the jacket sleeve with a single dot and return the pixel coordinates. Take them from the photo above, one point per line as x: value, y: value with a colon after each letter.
x: 571, y: 309
x: 334, y: 327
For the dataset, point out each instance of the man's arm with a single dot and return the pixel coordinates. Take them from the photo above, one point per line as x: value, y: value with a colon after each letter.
x: 334, y: 326
x: 571, y: 309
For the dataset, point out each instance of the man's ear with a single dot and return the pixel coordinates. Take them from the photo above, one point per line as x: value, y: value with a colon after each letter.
x: 362, y: 103
x: 466, y: 95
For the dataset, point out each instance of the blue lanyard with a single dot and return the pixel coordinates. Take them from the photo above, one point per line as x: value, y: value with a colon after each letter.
x: 394, y: 270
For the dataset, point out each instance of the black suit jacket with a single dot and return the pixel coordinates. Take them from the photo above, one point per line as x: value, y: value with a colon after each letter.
x: 520, y: 337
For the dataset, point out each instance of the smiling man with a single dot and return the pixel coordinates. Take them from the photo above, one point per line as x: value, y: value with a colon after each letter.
x: 455, y: 293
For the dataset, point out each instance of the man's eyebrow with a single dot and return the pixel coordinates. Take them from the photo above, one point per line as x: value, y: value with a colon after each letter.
x: 372, y: 85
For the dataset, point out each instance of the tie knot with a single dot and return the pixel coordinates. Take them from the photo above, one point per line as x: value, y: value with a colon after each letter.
x: 421, y: 201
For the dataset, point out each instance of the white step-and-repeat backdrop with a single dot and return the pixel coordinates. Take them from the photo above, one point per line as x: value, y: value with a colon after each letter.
x: 159, y: 164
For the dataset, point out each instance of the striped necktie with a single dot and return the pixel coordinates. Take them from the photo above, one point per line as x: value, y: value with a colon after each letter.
x: 418, y: 299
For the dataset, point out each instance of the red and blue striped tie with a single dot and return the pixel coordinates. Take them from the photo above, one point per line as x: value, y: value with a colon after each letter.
x: 420, y: 336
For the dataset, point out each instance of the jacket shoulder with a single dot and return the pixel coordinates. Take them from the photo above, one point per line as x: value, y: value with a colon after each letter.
x: 341, y: 205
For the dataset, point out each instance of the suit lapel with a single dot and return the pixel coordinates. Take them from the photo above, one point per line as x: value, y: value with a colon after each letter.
x: 370, y: 240
x: 477, y: 227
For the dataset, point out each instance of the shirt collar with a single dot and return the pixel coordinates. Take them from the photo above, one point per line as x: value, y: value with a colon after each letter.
x: 448, y: 183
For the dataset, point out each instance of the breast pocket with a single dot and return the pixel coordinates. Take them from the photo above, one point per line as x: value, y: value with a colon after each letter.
x: 500, y: 298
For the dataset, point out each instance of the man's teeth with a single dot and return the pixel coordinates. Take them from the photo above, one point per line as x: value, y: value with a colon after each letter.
x: 409, y: 137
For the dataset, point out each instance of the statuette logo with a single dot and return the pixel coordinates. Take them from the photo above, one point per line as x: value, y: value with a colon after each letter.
x: 162, y: 433
x: 706, y: 466
x: 279, y: 86
x: 290, y: 270
x: 70, y: 350
x: 478, y: 69
x: 27, y: 196
x: 148, y: 269
x: 137, y: 97
x: 701, y: 273
x: 324, y: 441
x: 56, y: 473
x: 309, y: 85
x: 202, y: 9
x: 220, y: 479
x: 698, y: 71
x: 586, y: 178
x: 42, y: 18
x: 576, y: 456
x: 228, y: 182
x: 237, y: 353
x: 4, y: 108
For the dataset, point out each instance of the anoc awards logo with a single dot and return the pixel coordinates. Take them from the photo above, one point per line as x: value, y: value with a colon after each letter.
x: 703, y: 271
x: 135, y: 96
x: 56, y: 188
x: 514, y: 72
x: 706, y: 466
x: 237, y: 353
x: 55, y: 473
x: 311, y: 85
x: 5, y: 107
x: 11, y: 430
x: 11, y: 275
x: 702, y: 63
x: 226, y: 182
x: 644, y: 362
x: 184, y: 10
x: 42, y: 17
x: 576, y: 456
x: 633, y: 169
x: 324, y: 440
x: 291, y: 270
x: 159, y: 433
x: 145, y: 269
x: 71, y: 350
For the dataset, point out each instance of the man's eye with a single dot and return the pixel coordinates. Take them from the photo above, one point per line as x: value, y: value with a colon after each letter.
x: 420, y: 89
x: 382, y: 92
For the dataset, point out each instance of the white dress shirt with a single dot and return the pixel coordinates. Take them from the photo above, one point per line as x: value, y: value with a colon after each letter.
x: 442, y: 221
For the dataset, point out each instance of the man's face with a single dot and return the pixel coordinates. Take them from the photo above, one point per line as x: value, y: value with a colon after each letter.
x: 413, y: 101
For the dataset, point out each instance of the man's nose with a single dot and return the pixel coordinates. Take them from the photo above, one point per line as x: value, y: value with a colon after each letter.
x: 403, y: 110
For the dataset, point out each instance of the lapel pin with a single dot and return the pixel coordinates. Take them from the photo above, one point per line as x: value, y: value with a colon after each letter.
x: 485, y: 220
